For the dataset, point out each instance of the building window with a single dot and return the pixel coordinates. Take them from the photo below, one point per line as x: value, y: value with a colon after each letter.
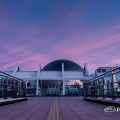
x: 103, y: 70
x: 28, y: 84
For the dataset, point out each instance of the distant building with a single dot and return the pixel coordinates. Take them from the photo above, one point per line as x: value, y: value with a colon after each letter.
x: 102, y: 70
x: 59, y: 77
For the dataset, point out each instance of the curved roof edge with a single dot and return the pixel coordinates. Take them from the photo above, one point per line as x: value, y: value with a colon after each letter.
x: 56, y: 65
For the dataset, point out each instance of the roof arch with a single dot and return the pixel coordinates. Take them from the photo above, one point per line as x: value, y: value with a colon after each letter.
x: 56, y: 65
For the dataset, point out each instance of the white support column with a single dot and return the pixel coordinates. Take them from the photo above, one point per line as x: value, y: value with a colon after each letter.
x: 63, y: 92
x: 37, y: 85
x: 114, y: 80
x: 114, y: 85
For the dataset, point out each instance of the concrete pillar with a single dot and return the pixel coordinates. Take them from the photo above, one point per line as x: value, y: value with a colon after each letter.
x: 63, y: 85
x: 37, y: 84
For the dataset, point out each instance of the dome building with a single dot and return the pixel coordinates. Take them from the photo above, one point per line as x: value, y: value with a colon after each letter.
x: 59, y: 77
x: 57, y: 66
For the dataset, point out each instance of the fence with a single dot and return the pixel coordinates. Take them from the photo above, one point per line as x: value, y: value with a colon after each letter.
x: 104, y: 86
x: 11, y: 86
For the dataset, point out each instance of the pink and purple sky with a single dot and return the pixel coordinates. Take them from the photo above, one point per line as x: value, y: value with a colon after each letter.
x: 34, y: 32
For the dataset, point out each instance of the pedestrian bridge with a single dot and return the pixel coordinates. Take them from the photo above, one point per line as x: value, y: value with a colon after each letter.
x: 104, y: 87
x: 56, y: 108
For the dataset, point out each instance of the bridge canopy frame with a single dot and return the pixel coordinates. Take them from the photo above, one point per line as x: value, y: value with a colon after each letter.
x: 104, y: 86
x: 11, y: 87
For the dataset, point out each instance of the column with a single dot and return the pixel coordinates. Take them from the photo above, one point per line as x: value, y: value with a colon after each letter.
x: 63, y: 85
x: 37, y: 84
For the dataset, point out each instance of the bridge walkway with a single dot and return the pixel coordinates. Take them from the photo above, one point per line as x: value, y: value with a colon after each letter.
x: 56, y: 108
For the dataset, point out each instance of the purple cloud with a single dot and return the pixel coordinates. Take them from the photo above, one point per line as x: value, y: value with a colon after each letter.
x: 77, y: 31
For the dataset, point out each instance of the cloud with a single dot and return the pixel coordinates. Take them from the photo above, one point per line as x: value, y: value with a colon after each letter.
x: 62, y: 32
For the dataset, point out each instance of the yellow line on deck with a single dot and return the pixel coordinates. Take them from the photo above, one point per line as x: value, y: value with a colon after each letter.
x: 54, y: 112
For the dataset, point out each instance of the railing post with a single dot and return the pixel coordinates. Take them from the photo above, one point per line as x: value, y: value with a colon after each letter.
x: 108, y: 92
x: 103, y: 83
x: 99, y: 88
x: 94, y: 94
x: 5, y: 88
x: 96, y: 88
x: 85, y: 89
x: 113, y: 85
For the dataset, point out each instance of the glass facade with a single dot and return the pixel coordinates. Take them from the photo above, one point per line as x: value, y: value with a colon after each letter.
x: 54, y: 87
x: 31, y: 88
x: 11, y: 87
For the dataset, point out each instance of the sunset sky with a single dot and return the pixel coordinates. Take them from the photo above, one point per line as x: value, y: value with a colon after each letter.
x: 34, y: 32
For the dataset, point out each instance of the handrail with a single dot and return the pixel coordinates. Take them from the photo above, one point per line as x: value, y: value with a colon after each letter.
x: 104, y: 74
x: 12, y: 76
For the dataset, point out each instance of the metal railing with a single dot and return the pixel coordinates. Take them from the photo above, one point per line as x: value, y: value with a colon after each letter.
x: 11, y: 86
x: 104, y: 86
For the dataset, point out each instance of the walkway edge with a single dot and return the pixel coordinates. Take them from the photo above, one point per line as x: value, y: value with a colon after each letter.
x: 110, y: 103
x: 12, y: 101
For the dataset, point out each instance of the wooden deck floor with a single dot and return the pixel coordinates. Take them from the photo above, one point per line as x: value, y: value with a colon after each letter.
x: 56, y: 108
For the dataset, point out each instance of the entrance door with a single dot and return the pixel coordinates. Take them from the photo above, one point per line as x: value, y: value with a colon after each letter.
x: 50, y: 87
